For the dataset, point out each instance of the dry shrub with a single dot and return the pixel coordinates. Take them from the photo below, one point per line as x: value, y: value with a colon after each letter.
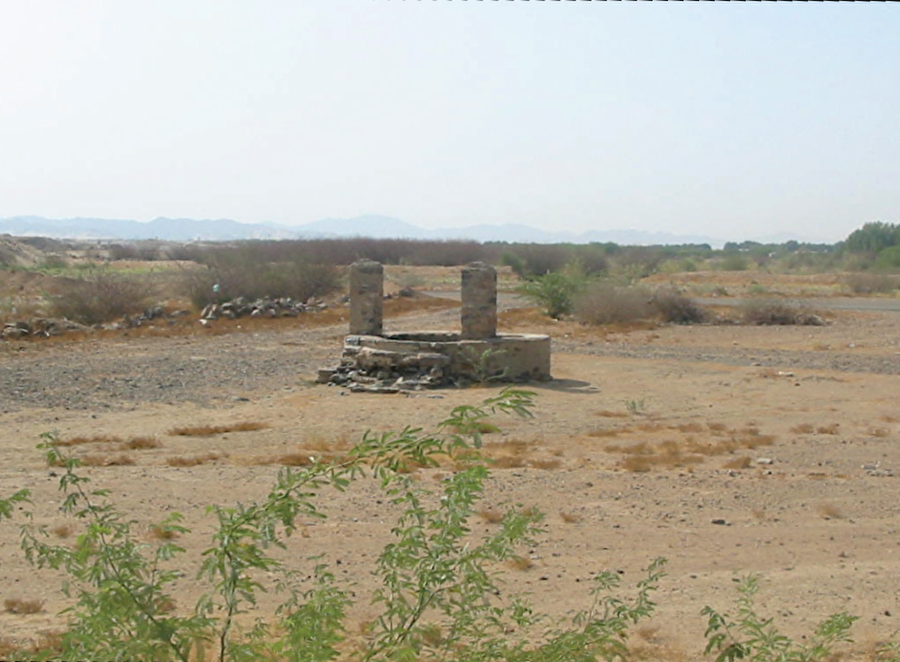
x: 211, y: 430
x: 803, y: 428
x: 778, y: 313
x: 62, y: 530
x: 107, y: 461
x: 23, y: 605
x: 829, y: 429
x: 676, y: 308
x: 688, y: 427
x: 294, y: 460
x: 545, y: 464
x: 157, y: 532
x: 101, y: 297
x: 829, y: 511
x: 606, y: 413
x: 520, y: 563
x: 194, y: 460
x: 605, y: 433
x: 863, y: 283
x: 491, y: 516
x: 95, y: 439
x: 737, y: 463
x: 141, y: 443
x: 715, y: 427
x: 645, y: 456
x: 605, y: 303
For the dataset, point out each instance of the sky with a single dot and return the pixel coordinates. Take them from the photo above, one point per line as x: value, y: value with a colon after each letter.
x: 735, y: 120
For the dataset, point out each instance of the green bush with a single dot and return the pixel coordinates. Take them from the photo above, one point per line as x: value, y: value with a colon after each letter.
x: 439, y: 597
x: 555, y: 291
x: 753, y: 637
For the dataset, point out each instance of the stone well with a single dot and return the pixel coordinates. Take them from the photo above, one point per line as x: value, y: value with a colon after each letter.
x: 390, y: 362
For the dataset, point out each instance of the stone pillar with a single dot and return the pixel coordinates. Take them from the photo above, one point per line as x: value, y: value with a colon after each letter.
x: 479, y: 301
x: 366, y: 298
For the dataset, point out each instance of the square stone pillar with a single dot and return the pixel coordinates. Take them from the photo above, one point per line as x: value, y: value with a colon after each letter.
x: 479, y: 301
x: 366, y: 298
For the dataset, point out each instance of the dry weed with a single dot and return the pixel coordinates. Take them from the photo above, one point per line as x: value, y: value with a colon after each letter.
x: 491, y: 516
x: 62, y: 530
x: 570, y: 518
x: 23, y: 605
x: 211, y: 430
x: 828, y: 429
x: 141, y: 443
x: 107, y: 461
x: 194, y: 460
x: 803, y: 428
x: 737, y: 463
x: 606, y: 413
x: 605, y: 433
x: 94, y: 439
x: 715, y: 426
x: 545, y: 464
x: 156, y: 532
x: 829, y: 511
x: 521, y: 563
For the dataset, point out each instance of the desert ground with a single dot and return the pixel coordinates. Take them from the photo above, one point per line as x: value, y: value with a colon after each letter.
x: 727, y: 449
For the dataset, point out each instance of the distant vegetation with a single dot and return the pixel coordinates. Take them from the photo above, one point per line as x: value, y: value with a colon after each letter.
x: 102, y: 281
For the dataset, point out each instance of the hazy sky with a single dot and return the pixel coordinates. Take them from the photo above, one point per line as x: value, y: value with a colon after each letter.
x: 726, y: 119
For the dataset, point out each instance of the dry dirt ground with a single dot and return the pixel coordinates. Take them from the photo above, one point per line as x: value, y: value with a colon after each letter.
x: 726, y: 449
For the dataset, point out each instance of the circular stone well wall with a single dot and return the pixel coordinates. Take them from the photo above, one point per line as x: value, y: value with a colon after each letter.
x: 504, y: 357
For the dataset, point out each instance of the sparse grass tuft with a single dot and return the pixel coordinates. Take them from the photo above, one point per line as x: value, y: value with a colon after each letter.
x: 141, y: 443
x: 491, y: 516
x: 62, y: 530
x: 23, y: 605
x: 521, y: 563
x: 829, y: 511
x: 157, y: 532
x: 107, y: 461
x: 194, y: 460
x: 94, y: 439
x: 803, y: 428
x: 211, y: 430
x: 545, y: 464
x: 737, y: 463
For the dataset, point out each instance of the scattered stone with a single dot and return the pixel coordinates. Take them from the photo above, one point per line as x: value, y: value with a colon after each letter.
x: 720, y: 522
x: 765, y: 460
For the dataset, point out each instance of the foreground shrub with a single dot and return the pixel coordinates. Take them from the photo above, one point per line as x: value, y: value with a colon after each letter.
x: 606, y: 303
x: 100, y: 297
x: 753, y: 637
x: 676, y: 308
x: 778, y: 313
x: 439, y: 597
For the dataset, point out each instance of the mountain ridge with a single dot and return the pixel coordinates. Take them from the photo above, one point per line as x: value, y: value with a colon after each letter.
x: 369, y: 225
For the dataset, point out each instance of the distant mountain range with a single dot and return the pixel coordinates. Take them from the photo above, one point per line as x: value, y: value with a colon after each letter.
x: 186, y: 229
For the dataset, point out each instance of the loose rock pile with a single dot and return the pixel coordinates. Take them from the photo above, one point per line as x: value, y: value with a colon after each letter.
x: 364, y: 369
x: 241, y: 307
x: 39, y: 327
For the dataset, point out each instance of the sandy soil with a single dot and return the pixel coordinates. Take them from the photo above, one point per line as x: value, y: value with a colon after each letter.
x: 727, y: 450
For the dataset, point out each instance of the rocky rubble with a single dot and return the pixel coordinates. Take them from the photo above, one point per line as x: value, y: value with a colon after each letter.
x: 364, y: 369
x: 241, y: 307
